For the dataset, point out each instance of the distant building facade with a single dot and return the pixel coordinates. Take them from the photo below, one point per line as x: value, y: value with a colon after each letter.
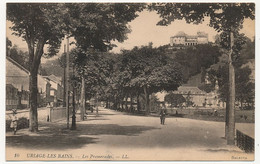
x: 17, y: 87
x: 198, y: 97
x: 183, y: 39
x: 55, y: 90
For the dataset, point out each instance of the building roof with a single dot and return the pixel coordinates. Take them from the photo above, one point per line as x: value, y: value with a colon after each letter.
x: 18, y: 76
x: 54, y: 78
x: 180, y: 34
x: 9, y: 85
x: 191, y: 37
x: 183, y: 34
x: 17, y: 64
x: 189, y: 89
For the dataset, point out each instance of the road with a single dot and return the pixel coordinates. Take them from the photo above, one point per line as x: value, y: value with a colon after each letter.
x: 114, y: 135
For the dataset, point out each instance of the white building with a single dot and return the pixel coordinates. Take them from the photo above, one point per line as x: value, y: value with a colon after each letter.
x: 188, y: 40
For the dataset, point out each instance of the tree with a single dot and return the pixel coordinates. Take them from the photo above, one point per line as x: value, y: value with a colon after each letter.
x: 92, y: 25
x: 174, y: 99
x: 95, y: 25
x: 19, y: 56
x: 226, y: 18
x: 203, y: 56
x: 151, y: 71
x: 8, y: 46
x: 39, y: 25
x: 244, y: 86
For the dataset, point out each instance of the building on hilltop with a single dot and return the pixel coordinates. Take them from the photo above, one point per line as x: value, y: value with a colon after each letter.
x: 183, y: 39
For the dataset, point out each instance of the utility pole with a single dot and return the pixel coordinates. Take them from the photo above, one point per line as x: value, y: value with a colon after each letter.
x: 231, y: 95
x: 83, y: 97
x: 74, y: 85
x: 67, y: 85
x: 64, y: 78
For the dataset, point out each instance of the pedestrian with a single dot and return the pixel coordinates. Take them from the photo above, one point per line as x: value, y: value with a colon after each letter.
x: 14, y: 121
x: 162, y: 116
x: 97, y: 110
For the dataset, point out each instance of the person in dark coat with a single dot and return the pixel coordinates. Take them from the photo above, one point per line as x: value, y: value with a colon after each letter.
x: 162, y: 116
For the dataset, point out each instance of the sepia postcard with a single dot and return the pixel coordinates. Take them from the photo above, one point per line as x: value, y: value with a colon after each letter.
x: 118, y: 81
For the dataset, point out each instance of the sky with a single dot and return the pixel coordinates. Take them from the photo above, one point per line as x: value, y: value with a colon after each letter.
x: 145, y: 30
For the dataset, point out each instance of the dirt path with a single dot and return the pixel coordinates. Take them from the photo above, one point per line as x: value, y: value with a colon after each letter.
x: 117, y: 136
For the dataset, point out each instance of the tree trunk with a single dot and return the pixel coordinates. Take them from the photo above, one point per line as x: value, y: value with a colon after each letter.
x: 147, y: 103
x: 126, y: 107
x: 138, y: 102
x: 131, y: 103
x: 227, y: 117
x: 64, y: 88
x: 82, y: 98
x: 115, y: 103
x: 64, y: 80
x: 34, y: 60
x: 241, y: 101
x: 33, y: 115
x: 231, y: 104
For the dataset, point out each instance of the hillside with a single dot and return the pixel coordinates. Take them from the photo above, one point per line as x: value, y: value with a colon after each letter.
x: 53, y: 67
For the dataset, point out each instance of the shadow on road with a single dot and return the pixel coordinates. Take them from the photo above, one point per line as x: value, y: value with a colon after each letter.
x: 112, y: 129
x: 54, y: 142
x: 54, y: 136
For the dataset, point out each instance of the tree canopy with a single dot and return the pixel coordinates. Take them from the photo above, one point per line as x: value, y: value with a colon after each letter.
x: 93, y: 25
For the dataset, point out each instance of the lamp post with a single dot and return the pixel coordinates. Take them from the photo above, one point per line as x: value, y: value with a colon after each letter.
x: 75, y: 85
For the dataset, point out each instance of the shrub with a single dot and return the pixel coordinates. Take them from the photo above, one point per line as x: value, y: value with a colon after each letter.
x: 21, y: 124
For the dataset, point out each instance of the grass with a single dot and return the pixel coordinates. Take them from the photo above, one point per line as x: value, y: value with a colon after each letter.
x: 242, y: 116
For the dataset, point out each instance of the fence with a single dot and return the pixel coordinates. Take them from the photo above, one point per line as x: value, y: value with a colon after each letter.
x: 245, y: 142
x: 57, y: 114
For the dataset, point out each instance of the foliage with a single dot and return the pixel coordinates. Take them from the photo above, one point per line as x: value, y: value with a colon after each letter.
x: 95, y: 25
x: 19, y: 56
x: 8, y: 45
x: 37, y: 23
x: 222, y: 15
x: 150, y: 67
x: 189, y: 101
x: 22, y: 123
x: 175, y: 100
x: 206, y: 87
x: 244, y: 86
x: 203, y: 56
x: 149, y: 70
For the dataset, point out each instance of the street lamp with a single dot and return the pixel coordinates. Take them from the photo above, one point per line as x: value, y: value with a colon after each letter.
x: 75, y: 85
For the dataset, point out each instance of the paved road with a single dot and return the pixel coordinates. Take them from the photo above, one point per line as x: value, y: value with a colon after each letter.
x: 117, y: 136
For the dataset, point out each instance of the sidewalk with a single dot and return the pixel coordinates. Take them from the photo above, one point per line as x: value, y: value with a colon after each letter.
x: 116, y: 136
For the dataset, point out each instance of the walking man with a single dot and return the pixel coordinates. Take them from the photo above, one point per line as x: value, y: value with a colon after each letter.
x: 162, y: 116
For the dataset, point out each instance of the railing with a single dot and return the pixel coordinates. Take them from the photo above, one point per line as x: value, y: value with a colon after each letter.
x: 245, y: 142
